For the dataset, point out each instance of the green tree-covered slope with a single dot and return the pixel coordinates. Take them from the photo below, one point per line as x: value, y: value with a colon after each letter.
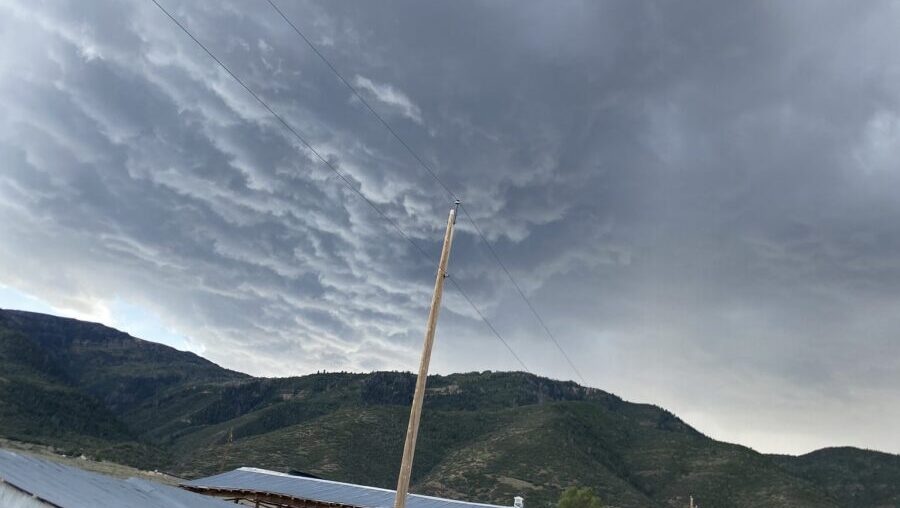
x: 852, y: 476
x: 485, y: 436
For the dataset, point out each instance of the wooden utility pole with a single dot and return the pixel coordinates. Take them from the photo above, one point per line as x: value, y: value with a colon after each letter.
x: 409, y: 447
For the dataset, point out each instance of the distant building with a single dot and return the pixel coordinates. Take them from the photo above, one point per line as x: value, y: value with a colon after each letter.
x: 30, y: 482
x: 269, y: 489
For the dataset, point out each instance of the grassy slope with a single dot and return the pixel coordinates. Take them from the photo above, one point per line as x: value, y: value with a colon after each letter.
x: 484, y: 436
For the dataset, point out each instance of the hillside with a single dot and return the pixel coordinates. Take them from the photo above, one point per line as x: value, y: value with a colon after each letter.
x: 852, y: 476
x: 485, y: 436
x: 66, y: 383
x: 119, y: 369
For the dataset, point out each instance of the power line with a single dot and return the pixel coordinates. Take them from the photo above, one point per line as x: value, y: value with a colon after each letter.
x: 290, y: 128
x: 522, y: 294
x: 434, y: 175
x: 489, y: 325
x: 362, y: 99
x: 336, y: 171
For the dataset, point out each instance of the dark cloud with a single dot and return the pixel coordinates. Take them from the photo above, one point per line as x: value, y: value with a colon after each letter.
x: 699, y: 197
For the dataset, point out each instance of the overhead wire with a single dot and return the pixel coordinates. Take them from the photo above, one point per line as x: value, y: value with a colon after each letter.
x: 522, y: 294
x: 440, y: 182
x: 488, y: 323
x: 343, y: 177
x: 363, y: 100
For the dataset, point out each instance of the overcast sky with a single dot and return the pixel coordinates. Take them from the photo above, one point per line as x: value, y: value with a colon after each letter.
x: 701, y: 198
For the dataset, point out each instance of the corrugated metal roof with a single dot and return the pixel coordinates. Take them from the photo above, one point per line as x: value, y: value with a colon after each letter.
x: 261, y: 480
x: 71, y: 487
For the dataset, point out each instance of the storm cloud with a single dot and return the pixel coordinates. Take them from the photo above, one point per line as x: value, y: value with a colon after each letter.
x: 701, y: 198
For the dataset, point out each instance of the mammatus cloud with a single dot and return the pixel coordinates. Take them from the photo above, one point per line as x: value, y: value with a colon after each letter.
x: 699, y: 198
x: 390, y: 97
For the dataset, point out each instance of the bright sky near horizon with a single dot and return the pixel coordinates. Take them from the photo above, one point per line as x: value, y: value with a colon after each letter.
x: 700, y: 197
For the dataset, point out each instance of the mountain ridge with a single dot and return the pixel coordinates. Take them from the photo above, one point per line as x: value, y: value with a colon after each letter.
x: 485, y: 435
